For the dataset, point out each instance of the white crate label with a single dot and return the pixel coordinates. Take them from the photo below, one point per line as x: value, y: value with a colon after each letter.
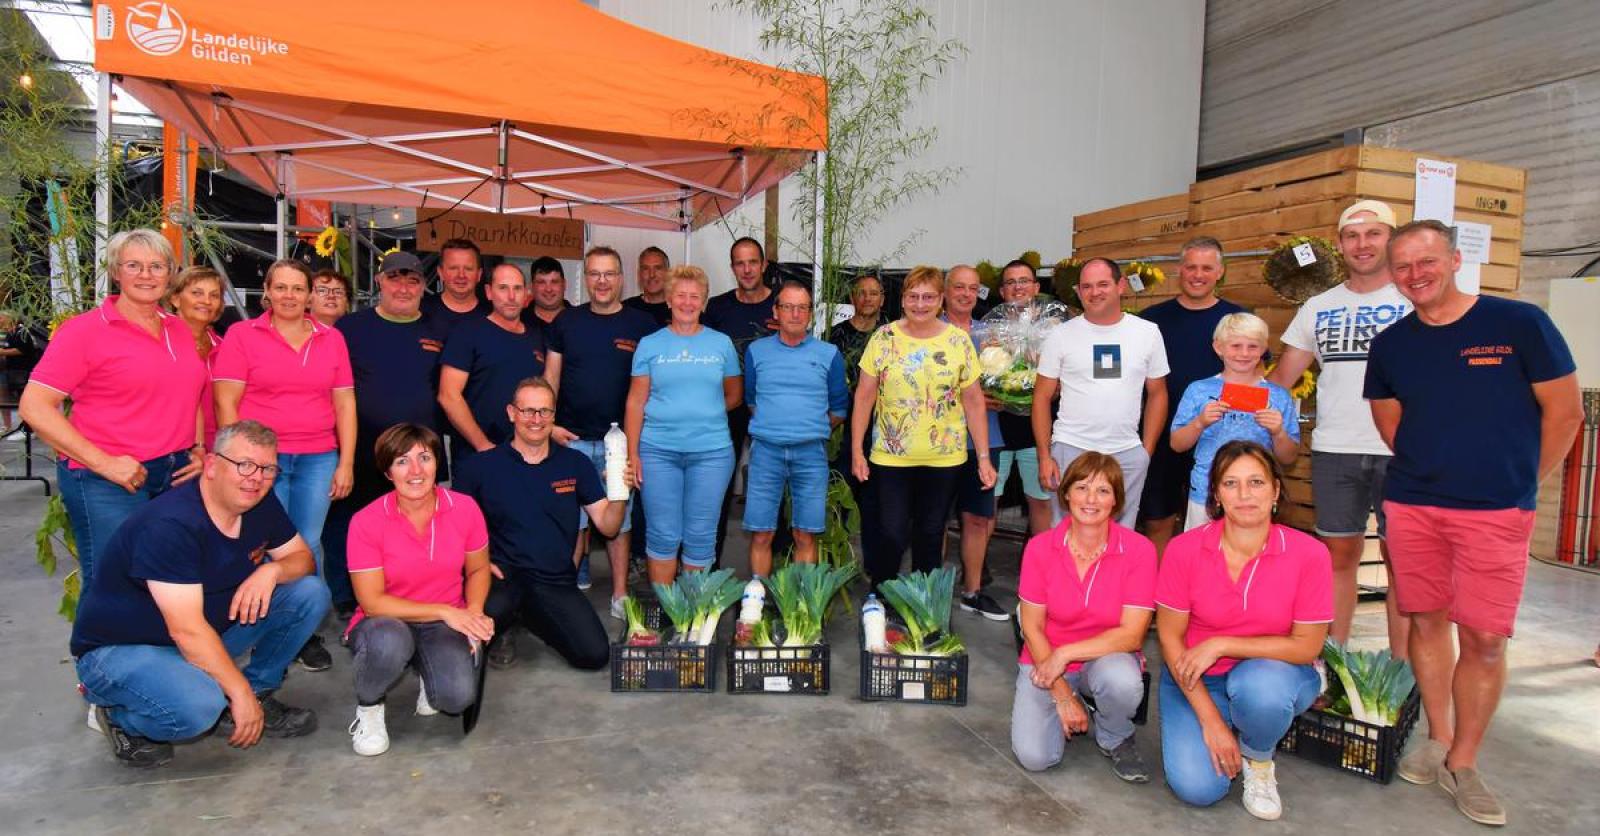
x: 983, y: 291
x: 1135, y: 283
x: 912, y: 690
x: 775, y: 683
x: 1304, y: 255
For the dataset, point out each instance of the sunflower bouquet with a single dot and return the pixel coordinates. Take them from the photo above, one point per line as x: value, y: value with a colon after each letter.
x: 1008, y: 339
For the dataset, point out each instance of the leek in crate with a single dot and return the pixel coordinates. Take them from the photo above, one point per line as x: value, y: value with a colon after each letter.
x: 923, y: 601
x: 695, y: 601
x: 802, y: 592
x: 1375, y: 684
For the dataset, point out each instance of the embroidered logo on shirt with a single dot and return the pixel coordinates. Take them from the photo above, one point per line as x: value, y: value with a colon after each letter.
x: 1487, y: 355
x: 258, y: 554
x: 428, y: 344
x: 564, y: 486
x: 625, y: 345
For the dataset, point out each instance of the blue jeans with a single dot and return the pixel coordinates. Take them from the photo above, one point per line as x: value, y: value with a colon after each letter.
x: 96, y: 506
x: 803, y: 468
x: 152, y: 691
x: 1258, y: 697
x: 302, y: 489
x: 682, y: 499
x: 596, y: 451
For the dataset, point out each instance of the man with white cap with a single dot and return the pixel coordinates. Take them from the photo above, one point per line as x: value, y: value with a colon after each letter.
x: 1348, y: 458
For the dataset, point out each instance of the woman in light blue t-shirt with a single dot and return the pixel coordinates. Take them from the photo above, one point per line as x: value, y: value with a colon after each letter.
x: 685, y: 379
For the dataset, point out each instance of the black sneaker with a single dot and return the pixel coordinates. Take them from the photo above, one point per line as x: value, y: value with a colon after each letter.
x: 314, y: 656
x: 1127, y: 763
x: 502, y: 651
x: 279, y: 720
x: 978, y: 602
x: 131, y: 749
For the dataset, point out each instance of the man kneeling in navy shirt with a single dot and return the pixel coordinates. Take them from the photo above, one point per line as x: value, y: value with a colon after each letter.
x: 530, y: 492
x: 195, y: 578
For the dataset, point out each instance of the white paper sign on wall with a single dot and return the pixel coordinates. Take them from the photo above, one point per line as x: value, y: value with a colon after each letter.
x: 1435, y: 191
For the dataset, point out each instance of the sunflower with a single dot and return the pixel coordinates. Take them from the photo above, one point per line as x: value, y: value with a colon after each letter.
x: 1149, y: 274
x: 1303, y: 388
x: 327, y: 242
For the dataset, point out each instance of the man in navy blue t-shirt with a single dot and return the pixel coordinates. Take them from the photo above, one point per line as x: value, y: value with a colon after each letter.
x: 394, y: 359
x: 197, y: 577
x: 591, y: 362
x: 652, y: 298
x: 531, y: 492
x: 460, y: 268
x: 1478, y: 398
x: 483, y: 361
x: 1187, y: 324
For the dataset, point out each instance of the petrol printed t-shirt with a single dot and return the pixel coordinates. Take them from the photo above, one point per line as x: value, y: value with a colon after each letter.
x: 495, y: 361
x: 1289, y: 583
x: 171, y: 539
x: 1187, y: 336
x: 532, y: 510
x: 1234, y: 425
x: 596, y: 366
x: 684, y: 413
x: 1469, y: 423
x: 919, y: 420
x: 426, y: 566
x: 1078, y: 608
x: 658, y: 311
x: 743, y: 322
x: 793, y: 389
x: 287, y: 389
x: 132, y: 394
x: 1102, y: 370
x: 395, y: 366
x: 1338, y: 326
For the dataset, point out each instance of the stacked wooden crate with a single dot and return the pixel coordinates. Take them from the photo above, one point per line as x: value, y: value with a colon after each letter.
x: 1262, y: 207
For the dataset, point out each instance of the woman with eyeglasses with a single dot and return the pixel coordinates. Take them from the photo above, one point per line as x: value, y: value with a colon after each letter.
x: 292, y: 373
x: 196, y: 297
x: 919, y: 390
x: 331, y: 296
x: 685, y: 379
x: 135, y: 382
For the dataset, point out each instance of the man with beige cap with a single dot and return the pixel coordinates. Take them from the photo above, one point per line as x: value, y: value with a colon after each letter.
x: 1348, y: 458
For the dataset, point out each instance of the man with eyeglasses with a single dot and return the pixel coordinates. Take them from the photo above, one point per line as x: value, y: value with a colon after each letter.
x: 590, y: 365
x: 207, y: 572
x: 482, y: 363
x: 460, y: 268
x: 394, y: 360
x: 532, y: 492
x: 795, y: 385
x: 652, y: 298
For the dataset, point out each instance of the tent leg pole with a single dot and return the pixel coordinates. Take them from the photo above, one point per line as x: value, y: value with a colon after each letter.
x: 102, y: 186
x: 819, y: 204
x: 282, y: 247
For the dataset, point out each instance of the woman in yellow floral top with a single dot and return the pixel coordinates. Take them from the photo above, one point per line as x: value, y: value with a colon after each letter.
x: 919, y: 388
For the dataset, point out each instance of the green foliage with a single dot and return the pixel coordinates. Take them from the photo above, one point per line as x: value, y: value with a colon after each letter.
x: 55, y: 531
x: 801, y: 592
x: 923, y: 601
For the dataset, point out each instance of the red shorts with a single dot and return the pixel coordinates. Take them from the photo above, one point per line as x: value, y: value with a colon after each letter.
x: 1472, y: 563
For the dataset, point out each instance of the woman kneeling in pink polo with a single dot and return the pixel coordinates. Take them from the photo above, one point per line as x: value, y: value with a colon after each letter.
x: 1088, y: 591
x: 1244, y: 605
x: 419, y: 562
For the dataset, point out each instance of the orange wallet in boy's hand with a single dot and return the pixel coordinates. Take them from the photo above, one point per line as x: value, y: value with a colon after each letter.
x: 1244, y: 398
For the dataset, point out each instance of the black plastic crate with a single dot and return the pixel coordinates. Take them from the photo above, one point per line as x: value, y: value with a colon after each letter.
x: 778, y: 670
x: 934, y: 680
x: 664, y: 668
x: 1344, y: 743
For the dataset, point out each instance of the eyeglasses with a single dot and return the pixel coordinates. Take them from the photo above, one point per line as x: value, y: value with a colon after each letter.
x: 793, y: 308
x: 923, y: 297
x: 613, y: 275
x: 250, y: 468
x: 530, y: 412
x: 154, y: 268
x: 330, y: 291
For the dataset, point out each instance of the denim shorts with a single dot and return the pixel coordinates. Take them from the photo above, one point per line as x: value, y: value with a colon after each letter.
x: 803, y: 468
x: 1348, y: 487
x: 596, y: 451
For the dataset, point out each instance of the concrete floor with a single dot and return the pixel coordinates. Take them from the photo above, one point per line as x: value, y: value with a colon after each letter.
x: 558, y: 753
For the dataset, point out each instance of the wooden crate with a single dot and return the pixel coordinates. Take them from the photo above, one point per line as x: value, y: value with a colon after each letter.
x: 1134, y: 230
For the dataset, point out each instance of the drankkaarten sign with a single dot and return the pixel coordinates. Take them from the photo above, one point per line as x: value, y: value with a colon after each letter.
x: 521, y: 236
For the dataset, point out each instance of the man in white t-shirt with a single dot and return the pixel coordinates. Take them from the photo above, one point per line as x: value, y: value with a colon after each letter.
x: 1101, y: 363
x: 1348, y: 458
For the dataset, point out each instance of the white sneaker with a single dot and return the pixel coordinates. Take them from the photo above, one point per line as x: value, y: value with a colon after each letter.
x: 1261, y: 790
x: 424, y: 708
x: 94, y: 722
x: 617, y: 611
x: 367, y: 733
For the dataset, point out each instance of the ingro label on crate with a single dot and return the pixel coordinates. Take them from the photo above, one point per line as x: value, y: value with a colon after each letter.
x: 913, y: 691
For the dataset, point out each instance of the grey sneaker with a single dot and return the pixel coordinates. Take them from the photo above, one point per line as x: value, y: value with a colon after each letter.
x: 1127, y: 763
x: 1424, y: 762
x: 1472, y: 796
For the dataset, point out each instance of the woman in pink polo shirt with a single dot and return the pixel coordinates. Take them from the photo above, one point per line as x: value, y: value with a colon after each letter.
x: 1088, y: 592
x: 419, y: 562
x: 1244, y: 606
x: 196, y: 297
x: 135, y: 382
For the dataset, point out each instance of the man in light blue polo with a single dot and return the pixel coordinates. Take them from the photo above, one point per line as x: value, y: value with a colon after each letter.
x: 794, y: 384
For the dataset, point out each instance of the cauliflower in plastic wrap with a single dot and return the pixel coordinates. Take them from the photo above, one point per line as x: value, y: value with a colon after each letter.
x: 1009, y: 338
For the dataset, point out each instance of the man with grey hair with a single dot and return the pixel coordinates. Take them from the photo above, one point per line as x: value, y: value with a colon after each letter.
x: 203, y: 574
x: 1187, y: 322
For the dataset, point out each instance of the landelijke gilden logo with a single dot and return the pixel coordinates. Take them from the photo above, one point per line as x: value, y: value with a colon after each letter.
x: 156, y: 28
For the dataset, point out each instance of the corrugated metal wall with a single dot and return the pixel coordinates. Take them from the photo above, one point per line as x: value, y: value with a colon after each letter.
x: 1056, y: 109
x: 1496, y: 80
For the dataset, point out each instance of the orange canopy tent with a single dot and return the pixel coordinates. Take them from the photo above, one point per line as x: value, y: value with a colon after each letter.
x: 507, y: 107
